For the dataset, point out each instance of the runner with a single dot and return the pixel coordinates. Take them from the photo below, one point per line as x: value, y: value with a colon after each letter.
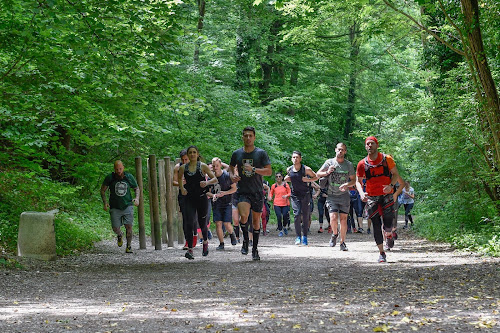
x: 408, y: 201
x: 381, y: 174
x: 196, y: 201
x: 222, y: 202
x: 299, y: 175
x: 280, y: 195
x: 252, y: 163
x: 121, y: 205
x: 180, y: 198
x: 341, y: 175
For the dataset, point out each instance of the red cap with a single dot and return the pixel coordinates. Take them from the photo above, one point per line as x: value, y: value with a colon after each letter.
x: 371, y: 138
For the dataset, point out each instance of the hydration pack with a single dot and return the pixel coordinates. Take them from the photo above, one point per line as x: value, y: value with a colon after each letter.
x: 372, y: 170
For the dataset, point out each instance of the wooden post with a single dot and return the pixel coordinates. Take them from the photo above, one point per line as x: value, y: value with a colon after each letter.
x: 154, y: 201
x: 140, y: 210
x: 180, y: 227
x: 151, y: 219
x: 170, y: 201
x: 163, y: 200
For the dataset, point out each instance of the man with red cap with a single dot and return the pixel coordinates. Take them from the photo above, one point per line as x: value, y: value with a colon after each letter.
x: 381, y: 174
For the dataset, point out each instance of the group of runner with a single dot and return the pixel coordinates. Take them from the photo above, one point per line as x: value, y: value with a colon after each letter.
x: 237, y: 194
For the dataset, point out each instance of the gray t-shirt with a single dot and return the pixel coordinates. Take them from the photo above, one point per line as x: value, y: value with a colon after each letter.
x: 341, y: 175
x: 250, y: 182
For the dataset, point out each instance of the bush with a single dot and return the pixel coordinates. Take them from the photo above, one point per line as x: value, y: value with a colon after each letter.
x: 78, y: 224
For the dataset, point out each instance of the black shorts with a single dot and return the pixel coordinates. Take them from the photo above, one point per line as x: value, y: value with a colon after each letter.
x: 256, y: 200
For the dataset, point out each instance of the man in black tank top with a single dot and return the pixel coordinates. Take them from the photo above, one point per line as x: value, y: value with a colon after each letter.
x: 252, y: 164
x: 300, y: 175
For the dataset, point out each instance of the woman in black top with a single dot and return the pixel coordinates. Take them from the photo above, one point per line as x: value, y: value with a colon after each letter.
x: 196, y: 201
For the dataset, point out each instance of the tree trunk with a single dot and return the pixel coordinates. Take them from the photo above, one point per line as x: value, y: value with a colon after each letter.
x: 489, y: 96
x: 294, y: 75
x: 351, y: 97
x: 242, y: 60
x: 201, y: 16
x: 266, y: 67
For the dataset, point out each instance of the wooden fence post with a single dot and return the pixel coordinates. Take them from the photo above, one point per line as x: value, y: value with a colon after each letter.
x: 140, y: 210
x: 154, y: 198
x: 163, y: 199
x: 151, y: 218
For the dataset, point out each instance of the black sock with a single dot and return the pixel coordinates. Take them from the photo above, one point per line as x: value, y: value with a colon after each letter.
x: 244, y: 229
x: 256, y: 234
x: 237, y: 231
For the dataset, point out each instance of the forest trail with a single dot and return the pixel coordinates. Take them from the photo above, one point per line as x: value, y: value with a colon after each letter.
x: 424, y: 287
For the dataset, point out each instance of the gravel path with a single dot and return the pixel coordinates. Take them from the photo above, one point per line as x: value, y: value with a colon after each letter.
x: 424, y: 287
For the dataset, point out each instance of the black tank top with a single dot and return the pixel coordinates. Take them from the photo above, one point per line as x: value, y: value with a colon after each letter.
x: 193, y: 181
x: 299, y: 188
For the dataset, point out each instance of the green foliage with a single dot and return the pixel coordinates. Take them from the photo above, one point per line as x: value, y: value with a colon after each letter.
x: 86, y: 83
x: 78, y: 224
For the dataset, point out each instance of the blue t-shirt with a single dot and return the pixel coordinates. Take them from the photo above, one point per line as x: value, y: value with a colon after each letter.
x: 250, y: 182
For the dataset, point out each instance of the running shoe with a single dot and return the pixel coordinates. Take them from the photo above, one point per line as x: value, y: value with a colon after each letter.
x: 128, y: 249
x: 406, y: 226
x: 189, y: 254
x: 250, y: 243
x: 185, y: 247
x: 390, y: 241
x: 386, y: 247
x: 255, y: 255
x: 304, y: 240
x: 360, y: 230
x: 333, y: 240
x: 233, y: 239
x: 368, y: 231
x: 220, y: 247
x: 355, y: 230
x: 343, y: 247
x: 382, y: 257
x: 285, y: 230
x: 329, y: 229
x: 349, y: 231
x: 244, y: 248
x: 320, y: 230
x: 119, y: 240
x: 209, y: 234
x: 205, y: 249
x: 280, y: 233
x: 297, y: 240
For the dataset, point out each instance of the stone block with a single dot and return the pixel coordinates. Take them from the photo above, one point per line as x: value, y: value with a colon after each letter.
x: 36, y: 237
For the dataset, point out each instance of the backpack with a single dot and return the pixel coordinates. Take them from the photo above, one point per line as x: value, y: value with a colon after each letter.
x: 383, y: 164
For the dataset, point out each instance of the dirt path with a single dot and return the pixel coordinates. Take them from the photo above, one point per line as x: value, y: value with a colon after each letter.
x: 424, y: 287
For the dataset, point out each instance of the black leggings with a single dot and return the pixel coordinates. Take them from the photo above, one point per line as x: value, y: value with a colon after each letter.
x: 195, y: 206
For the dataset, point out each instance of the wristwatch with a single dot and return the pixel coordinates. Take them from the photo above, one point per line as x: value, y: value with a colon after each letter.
x: 253, y: 169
